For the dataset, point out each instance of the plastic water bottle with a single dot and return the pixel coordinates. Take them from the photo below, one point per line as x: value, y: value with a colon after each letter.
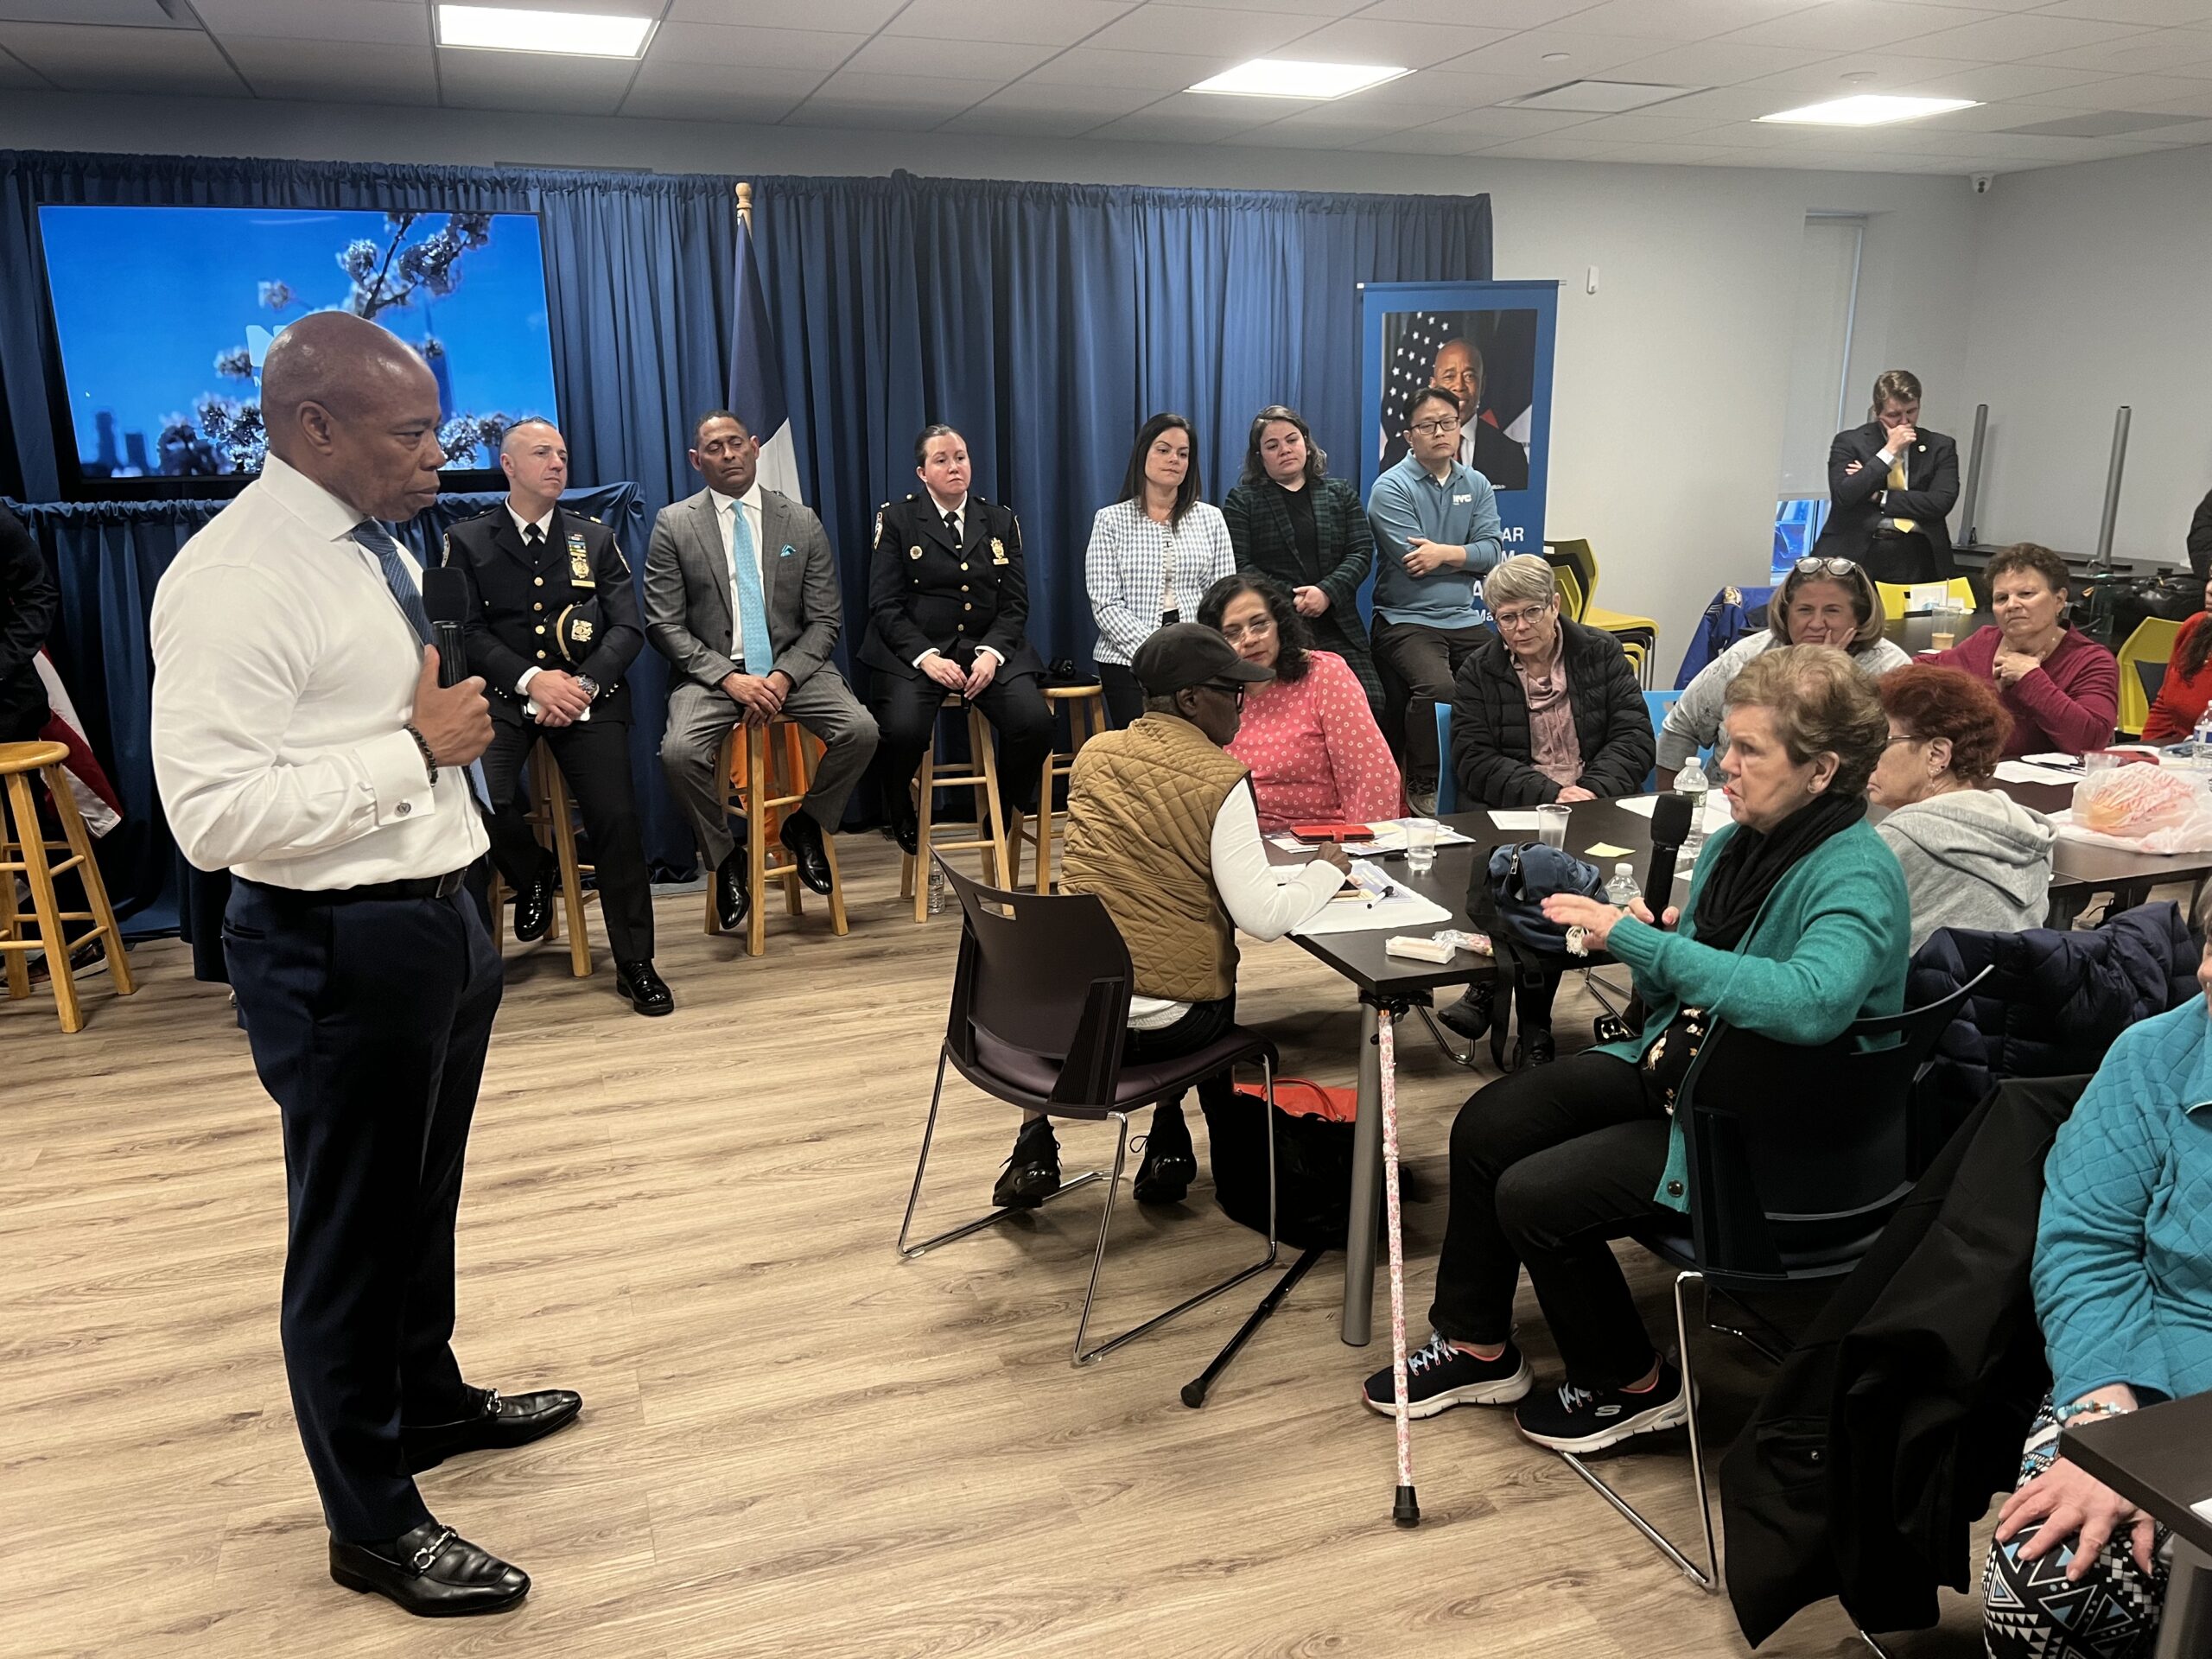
x: 1690, y: 782
x: 937, y: 889
x: 2199, y: 741
x: 1622, y: 892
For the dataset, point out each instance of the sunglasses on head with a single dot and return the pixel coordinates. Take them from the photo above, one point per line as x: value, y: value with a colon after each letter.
x: 1811, y: 567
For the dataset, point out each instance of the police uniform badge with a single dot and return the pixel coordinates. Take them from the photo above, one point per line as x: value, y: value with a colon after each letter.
x: 998, y: 551
x: 579, y: 560
x: 879, y: 525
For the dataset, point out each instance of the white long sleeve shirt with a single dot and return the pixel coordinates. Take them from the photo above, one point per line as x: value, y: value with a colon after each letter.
x: 1256, y: 901
x: 285, y: 676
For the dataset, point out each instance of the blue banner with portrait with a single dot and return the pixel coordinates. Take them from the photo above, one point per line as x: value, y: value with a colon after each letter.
x: 1490, y: 345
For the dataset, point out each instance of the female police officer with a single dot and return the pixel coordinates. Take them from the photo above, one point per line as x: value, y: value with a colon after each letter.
x: 947, y: 601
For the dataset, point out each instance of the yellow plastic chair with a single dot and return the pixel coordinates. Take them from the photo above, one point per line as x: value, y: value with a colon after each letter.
x: 1641, y: 632
x: 2151, y: 646
x: 1895, y: 594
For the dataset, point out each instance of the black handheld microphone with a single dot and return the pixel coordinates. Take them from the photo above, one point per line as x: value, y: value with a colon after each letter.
x: 445, y: 597
x: 1670, y: 827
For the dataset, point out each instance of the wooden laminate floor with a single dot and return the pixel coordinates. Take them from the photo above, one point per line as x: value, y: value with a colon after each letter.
x: 793, y: 1442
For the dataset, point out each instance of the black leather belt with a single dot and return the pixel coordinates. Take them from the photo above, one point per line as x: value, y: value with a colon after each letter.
x: 427, y: 886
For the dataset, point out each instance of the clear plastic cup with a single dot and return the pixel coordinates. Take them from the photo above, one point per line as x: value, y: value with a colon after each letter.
x: 1421, y: 844
x: 1551, y: 825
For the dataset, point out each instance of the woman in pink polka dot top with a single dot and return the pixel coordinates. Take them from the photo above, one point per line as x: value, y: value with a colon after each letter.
x: 1310, y: 738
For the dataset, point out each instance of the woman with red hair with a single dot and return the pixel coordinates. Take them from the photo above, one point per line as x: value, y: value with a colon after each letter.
x: 1972, y: 857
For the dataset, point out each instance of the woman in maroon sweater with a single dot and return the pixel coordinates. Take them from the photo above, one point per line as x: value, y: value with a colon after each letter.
x: 2061, y: 687
x: 2187, y: 689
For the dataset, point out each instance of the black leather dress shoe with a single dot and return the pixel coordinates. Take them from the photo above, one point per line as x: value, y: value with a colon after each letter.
x: 432, y: 1572
x: 647, y: 992
x: 905, y: 828
x: 534, y: 903
x: 732, y: 896
x: 803, y: 836
x: 497, y: 1424
x: 1170, y: 1165
x: 1033, y: 1174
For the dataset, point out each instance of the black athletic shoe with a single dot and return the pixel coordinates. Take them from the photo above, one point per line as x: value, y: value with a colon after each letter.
x: 1471, y: 1015
x: 1169, y: 1162
x: 1439, y: 1376
x: 1537, y: 1047
x: 1570, y: 1419
x: 1033, y: 1174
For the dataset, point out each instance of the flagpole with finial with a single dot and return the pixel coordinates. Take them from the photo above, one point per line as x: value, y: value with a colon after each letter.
x: 745, y: 206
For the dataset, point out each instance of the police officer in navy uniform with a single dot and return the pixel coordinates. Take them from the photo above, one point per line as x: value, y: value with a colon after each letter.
x: 948, y: 605
x: 553, y: 627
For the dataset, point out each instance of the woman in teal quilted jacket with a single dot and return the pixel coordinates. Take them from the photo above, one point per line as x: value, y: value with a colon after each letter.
x: 2123, y: 1288
x: 1794, y: 926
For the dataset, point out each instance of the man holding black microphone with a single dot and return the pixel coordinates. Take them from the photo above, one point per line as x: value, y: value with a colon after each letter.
x: 302, y: 738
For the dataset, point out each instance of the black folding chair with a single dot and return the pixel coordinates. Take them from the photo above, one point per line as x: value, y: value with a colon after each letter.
x: 1798, y: 1157
x: 1041, y: 1002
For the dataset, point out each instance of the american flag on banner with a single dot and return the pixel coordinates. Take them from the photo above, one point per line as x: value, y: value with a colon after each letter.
x: 97, y: 802
x: 1421, y: 334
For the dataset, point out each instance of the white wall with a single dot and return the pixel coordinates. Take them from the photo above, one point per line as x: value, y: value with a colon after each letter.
x: 1671, y: 380
x: 2092, y: 289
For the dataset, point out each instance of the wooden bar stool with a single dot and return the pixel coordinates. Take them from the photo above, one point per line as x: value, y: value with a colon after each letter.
x: 981, y: 775
x: 779, y: 758
x: 1086, y: 711
x: 552, y: 816
x: 24, y: 850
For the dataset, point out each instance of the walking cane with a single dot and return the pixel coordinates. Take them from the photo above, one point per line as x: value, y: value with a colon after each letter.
x: 1405, y: 1508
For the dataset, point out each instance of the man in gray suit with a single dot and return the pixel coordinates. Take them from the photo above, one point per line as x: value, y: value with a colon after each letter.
x: 741, y: 595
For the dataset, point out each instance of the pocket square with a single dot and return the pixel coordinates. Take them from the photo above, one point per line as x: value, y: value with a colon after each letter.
x: 788, y: 550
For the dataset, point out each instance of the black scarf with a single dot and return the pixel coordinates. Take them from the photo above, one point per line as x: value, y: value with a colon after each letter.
x: 1750, y: 864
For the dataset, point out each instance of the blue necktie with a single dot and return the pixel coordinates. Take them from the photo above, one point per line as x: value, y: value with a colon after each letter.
x: 752, y: 603
x: 405, y: 592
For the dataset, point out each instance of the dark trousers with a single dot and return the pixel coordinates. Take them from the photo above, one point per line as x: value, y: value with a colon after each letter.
x: 1202, y: 1023
x: 1124, y: 697
x: 368, y: 1023
x: 1548, y: 1166
x: 1418, y: 665
x: 906, y: 713
x: 1904, y: 559
x: 593, y: 755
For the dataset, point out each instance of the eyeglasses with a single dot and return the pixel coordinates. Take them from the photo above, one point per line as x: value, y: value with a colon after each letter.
x: 1517, y: 620
x: 1233, y: 690
x: 1259, y: 628
x: 1432, y: 429
x: 1810, y: 567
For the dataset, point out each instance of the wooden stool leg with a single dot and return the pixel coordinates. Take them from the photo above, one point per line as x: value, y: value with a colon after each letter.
x: 564, y: 850
x: 983, y: 758
x: 756, y: 838
x: 791, y: 775
x: 837, y: 923
x: 12, y: 921
x: 80, y: 844
x: 46, y: 908
x: 1017, y: 826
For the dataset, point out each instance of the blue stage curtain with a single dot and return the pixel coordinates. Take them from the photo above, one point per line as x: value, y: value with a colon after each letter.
x: 1046, y: 321
x: 108, y: 557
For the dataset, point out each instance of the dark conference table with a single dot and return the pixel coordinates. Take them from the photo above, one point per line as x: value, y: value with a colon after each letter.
x: 1401, y: 985
x: 2160, y: 1459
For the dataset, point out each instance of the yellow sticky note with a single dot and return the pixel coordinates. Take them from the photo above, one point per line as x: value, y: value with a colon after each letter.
x: 1605, y: 850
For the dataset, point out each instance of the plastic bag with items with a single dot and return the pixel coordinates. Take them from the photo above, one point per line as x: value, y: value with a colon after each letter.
x: 2144, y: 809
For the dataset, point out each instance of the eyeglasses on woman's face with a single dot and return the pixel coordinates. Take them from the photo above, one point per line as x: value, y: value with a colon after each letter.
x: 1259, y: 627
x: 1526, y: 616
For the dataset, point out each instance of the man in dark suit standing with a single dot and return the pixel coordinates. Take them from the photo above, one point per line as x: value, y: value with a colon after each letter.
x: 29, y: 604
x: 1891, y: 486
x: 741, y: 596
x: 553, y: 627
x: 947, y: 602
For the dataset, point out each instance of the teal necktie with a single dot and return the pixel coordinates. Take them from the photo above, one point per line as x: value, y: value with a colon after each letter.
x: 752, y: 603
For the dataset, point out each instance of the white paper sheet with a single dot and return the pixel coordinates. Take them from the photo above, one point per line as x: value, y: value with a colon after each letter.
x: 1402, y: 911
x: 2019, y: 772
x: 1716, y: 808
x: 1514, y: 820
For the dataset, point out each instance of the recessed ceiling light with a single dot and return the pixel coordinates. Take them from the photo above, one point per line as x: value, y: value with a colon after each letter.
x: 503, y: 29
x: 1871, y: 110
x: 1289, y: 78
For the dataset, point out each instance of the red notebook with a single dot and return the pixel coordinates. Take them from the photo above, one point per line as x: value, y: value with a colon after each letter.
x: 1333, y: 831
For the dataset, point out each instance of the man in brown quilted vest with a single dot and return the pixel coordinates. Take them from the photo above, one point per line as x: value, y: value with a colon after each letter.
x: 1163, y: 829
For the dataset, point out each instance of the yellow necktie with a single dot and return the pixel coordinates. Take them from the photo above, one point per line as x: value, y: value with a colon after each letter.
x: 1897, y: 482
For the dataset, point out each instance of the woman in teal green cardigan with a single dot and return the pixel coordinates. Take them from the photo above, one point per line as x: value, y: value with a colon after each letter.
x: 1794, y: 926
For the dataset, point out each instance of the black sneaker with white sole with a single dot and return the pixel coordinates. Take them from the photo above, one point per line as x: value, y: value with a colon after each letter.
x: 1439, y: 1376
x: 1571, y: 1419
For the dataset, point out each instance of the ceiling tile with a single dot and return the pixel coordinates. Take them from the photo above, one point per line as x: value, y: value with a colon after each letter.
x: 920, y: 93
x: 739, y: 86
x: 715, y: 103
x: 1677, y: 20
x: 2157, y: 13
x: 1085, y: 66
x: 2005, y: 40
x: 949, y: 59
x: 1725, y: 104
x: 1451, y: 86
x: 387, y: 22
x: 1424, y: 141
x: 1866, y: 71
x: 1411, y: 46
x: 861, y: 117
x: 2188, y: 104
x: 541, y: 81
x: 353, y: 72
x: 16, y: 75
x: 1368, y: 113
x: 1156, y: 127
x: 1098, y: 103
x: 1006, y: 123
x: 1193, y: 110
x: 1037, y: 22
x: 1716, y: 63
x: 1553, y: 57
x: 2135, y: 91
x: 87, y: 59
x: 745, y: 47
x: 1655, y: 154
x: 839, y: 17
x: 1856, y: 25
x: 125, y: 14
x: 1640, y: 127
x: 1497, y: 125
x: 1287, y: 8
x: 1194, y: 30
x: 1547, y: 149
x: 2162, y: 51
x: 1995, y: 117
x: 1496, y: 14
x: 1989, y: 81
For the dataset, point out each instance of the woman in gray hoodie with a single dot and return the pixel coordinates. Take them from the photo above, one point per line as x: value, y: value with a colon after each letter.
x: 1972, y: 857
